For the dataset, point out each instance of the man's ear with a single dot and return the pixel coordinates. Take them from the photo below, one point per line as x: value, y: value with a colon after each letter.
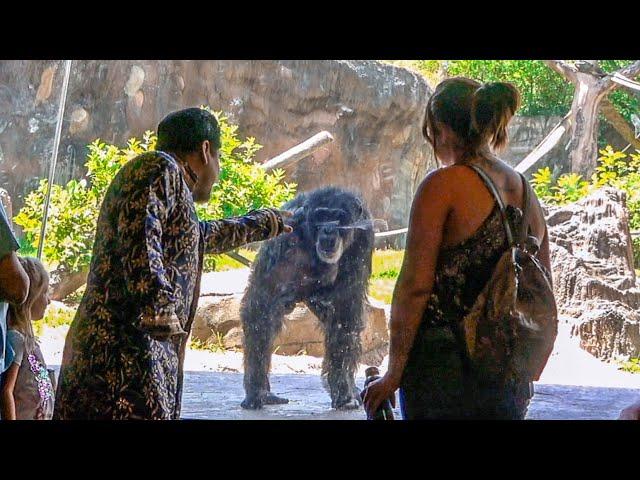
x: 205, y: 151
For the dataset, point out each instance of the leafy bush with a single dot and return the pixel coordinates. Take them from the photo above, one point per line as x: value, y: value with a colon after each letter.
x: 632, y: 366
x: 74, y: 208
x: 214, y: 344
x: 616, y: 169
x: 543, y: 91
x: 55, y: 317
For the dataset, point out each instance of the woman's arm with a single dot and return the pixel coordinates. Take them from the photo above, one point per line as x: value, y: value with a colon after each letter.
x: 8, y: 384
x: 632, y: 412
x: 544, y: 254
x: 429, y: 213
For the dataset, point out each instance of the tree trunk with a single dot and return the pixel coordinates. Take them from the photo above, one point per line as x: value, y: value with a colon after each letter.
x: 591, y: 87
x: 65, y: 284
x: 583, y: 144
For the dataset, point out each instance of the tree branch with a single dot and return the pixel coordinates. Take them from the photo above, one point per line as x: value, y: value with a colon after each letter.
x: 564, y: 69
x: 617, y: 121
x: 630, y: 71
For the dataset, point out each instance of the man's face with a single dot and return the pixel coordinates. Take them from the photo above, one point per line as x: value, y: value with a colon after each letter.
x: 209, y: 174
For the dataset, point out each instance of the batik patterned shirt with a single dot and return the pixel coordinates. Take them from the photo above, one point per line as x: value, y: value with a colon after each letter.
x: 124, y: 352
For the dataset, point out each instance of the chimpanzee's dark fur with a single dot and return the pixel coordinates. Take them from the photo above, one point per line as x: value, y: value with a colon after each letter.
x: 288, y: 269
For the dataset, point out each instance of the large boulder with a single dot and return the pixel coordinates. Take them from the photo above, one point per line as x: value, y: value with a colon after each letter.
x: 218, y: 319
x: 593, y: 273
x: 373, y: 110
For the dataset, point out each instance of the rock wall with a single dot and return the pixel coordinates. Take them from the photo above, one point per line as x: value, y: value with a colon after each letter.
x: 373, y: 110
x: 594, y: 279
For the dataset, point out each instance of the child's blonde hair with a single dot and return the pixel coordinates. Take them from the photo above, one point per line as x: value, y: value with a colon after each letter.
x: 20, y: 315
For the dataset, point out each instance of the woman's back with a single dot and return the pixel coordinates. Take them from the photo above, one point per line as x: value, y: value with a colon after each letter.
x: 456, y: 237
x: 472, y: 202
x: 474, y: 239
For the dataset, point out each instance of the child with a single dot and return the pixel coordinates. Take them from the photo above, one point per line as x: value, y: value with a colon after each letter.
x: 27, y: 390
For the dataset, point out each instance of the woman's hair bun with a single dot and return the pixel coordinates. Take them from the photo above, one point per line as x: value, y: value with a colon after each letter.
x: 493, y: 105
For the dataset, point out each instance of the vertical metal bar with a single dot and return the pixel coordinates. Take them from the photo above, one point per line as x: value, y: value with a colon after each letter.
x: 54, y: 154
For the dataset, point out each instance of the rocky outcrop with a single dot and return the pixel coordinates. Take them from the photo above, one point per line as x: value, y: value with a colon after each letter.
x: 373, y: 110
x: 218, y: 320
x: 593, y: 273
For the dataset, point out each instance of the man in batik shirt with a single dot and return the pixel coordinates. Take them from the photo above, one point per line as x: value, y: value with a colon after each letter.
x: 124, y: 353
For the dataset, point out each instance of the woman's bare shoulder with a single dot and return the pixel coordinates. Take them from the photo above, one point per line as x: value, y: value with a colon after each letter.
x: 446, y: 177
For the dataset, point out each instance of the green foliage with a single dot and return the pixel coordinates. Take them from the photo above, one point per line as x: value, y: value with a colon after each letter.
x: 74, y: 208
x: 386, y: 264
x: 625, y: 101
x: 223, y: 263
x: 26, y: 246
x: 54, y: 317
x: 543, y: 91
x: 386, y: 268
x: 568, y: 188
x: 632, y: 366
x: 542, y: 183
x: 243, y: 184
x: 72, y: 217
x: 615, y: 169
x: 214, y: 344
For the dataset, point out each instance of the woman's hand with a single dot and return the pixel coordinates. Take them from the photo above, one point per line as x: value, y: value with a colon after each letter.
x: 378, y: 391
x: 632, y: 412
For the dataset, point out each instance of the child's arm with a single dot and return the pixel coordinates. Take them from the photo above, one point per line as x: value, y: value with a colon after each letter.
x: 6, y: 399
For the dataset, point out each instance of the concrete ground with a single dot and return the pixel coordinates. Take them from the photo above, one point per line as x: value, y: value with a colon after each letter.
x: 217, y: 396
x: 212, y: 395
x: 574, y: 385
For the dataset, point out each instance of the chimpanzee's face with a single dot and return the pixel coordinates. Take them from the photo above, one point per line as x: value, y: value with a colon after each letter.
x: 330, y: 239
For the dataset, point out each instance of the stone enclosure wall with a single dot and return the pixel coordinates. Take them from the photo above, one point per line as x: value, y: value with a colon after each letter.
x: 373, y: 110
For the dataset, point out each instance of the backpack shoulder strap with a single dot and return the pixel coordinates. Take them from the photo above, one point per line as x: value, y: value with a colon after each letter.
x: 494, y: 191
x: 526, y: 210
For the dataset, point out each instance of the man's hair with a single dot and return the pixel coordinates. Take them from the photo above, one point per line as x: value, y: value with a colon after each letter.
x: 185, y: 130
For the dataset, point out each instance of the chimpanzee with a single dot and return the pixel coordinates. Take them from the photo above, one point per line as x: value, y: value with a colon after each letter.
x: 325, y: 263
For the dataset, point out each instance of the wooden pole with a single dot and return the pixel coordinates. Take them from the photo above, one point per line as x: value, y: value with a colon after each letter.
x: 298, y: 152
x: 550, y: 141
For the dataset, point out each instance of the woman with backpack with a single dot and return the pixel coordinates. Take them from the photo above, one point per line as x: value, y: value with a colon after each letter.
x: 453, y: 351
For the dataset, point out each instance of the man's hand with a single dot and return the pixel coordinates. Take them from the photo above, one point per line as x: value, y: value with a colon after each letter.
x: 285, y: 214
x: 632, y: 412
